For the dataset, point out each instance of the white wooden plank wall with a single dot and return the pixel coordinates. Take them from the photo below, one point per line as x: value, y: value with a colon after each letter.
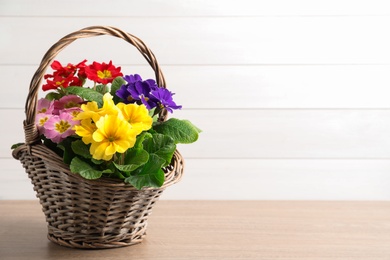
x: 293, y: 96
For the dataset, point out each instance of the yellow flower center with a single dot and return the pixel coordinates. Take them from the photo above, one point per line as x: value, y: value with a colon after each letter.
x: 43, y: 120
x: 43, y: 110
x: 111, y: 139
x: 71, y: 104
x: 62, y: 126
x: 59, y: 83
x: 75, y: 113
x: 104, y: 74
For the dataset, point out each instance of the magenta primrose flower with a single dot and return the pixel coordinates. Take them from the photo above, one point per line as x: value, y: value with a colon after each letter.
x: 66, y: 102
x: 58, y: 127
x: 73, y: 111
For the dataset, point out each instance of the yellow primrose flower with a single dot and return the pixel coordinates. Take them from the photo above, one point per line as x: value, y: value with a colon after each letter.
x: 91, y: 110
x: 112, y: 135
x: 85, y: 130
x: 137, y: 115
x: 109, y: 107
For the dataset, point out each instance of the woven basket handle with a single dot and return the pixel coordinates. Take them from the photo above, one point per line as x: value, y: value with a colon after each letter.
x: 31, y: 132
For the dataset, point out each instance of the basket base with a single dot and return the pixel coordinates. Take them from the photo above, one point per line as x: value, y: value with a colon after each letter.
x: 103, y: 245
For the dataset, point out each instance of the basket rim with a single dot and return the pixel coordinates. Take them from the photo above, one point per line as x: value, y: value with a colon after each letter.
x: 54, y: 161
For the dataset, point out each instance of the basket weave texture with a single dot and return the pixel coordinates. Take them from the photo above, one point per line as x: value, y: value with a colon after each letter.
x: 80, y: 213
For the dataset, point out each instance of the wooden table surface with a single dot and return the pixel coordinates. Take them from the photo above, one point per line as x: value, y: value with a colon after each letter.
x: 221, y: 230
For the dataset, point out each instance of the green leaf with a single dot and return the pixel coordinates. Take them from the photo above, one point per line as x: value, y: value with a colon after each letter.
x: 181, y: 131
x: 53, y: 146
x: 194, y: 126
x: 103, y: 89
x: 151, y: 111
x: 97, y: 162
x: 87, y: 93
x: 53, y: 96
x: 134, y: 158
x: 118, y: 175
x: 140, y: 139
x: 161, y: 145
x: 115, y: 173
x: 150, y: 175
x: 66, y: 146
x: 80, y: 148
x: 115, y: 85
x: 14, y: 146
x: 85, y: 169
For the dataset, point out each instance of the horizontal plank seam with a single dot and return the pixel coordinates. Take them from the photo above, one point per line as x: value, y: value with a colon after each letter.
x: 198, y: 16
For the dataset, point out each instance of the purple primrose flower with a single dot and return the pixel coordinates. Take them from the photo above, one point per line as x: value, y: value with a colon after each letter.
x: 137, y: 90
x: 146, y: 92
x: 163, y: 97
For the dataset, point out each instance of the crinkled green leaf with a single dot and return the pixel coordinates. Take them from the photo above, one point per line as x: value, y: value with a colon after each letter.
x: 118, y: 175
x: 140, y: 139
x: 87, y: 94
x: 53, y: 96
x: 161, y: 145
x: 181, y: 131
x: 192, y: 125
x: 101, y: 89
x: 115, y: 85
x: 134, y: 158
x: 150, y: 175
x: 115, y: 173
x: 85, y: 169
x: 80, y: 148
x: 97, y: 162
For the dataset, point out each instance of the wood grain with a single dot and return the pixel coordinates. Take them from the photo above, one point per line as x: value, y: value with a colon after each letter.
x: 208, y: 41
x: 222, y: 230
x: 169, y: 8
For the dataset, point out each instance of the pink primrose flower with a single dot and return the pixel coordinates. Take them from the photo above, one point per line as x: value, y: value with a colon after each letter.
x: 40, y: 121
x: 45, y: 106
x: 73, y: 111
x: 58, y: 127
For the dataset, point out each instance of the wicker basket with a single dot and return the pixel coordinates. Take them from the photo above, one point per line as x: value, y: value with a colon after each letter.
x: 82, y: 213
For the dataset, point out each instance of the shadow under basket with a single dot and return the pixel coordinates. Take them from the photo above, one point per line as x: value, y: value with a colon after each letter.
x: 80, y: 213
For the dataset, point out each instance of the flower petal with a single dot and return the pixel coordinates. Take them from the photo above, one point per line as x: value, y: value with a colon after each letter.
x: 98, y: 150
